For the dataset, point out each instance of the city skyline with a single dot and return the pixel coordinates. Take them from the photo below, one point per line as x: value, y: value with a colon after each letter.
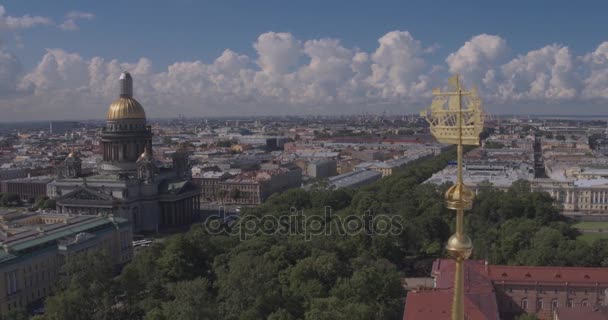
x: 60, y: 60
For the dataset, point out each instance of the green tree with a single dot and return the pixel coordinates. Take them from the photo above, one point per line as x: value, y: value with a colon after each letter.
x: 15, y: 314
x: 190, y: 300
x: 235, y: 194
x: 11, y: 199
x: 493, y: 145
x: 88, y: 290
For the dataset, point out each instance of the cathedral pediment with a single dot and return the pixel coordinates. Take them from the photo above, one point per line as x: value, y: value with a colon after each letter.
x: 177, y: 187
x: 85, y: 193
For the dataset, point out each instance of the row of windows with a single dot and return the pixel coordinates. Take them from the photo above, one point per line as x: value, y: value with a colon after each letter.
x: 20, y: 303
x: 555, y: 290
x: 114, y: 127
x: 554, y: 303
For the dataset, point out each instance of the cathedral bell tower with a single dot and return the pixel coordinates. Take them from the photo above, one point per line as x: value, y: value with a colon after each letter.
x: 145, y: 167
x: 126, y: 135
x: 72, y: 165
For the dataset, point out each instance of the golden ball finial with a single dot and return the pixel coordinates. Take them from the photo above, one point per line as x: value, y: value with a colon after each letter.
x: 460, y: 247
x: 459, y: 197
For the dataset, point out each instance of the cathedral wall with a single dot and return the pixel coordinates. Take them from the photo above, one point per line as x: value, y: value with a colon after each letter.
x: 150, y: 212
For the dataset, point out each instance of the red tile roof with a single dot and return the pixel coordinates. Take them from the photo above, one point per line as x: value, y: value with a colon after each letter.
x: 548, y: 274
x: 480, y: 297
x: 480, y: 300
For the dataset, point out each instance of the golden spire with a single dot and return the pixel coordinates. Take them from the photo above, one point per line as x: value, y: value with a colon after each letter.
x: 460, y: 126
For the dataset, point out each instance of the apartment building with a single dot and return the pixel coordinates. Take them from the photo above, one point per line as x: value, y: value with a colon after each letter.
x: 36, y: 245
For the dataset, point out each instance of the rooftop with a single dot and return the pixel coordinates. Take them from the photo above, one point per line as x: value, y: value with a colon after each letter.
x: 480, y: 296
x: 30, y: 230
x: 353, y: 178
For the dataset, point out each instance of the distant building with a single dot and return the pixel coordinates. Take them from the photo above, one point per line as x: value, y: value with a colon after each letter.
x: 368, y: 155
x: 62, y: 127
x: 248, y: 188
x: 495, y: 292
x: 354, y: 179
x: 13, y: 173
x: 268, y: 142
x: 584, y: 196
x: 321, y: 168
x: 387, y: 168
x: 35, y: 246
x: 209, y: 183
x: 476, y: 173
x: 26, y: 188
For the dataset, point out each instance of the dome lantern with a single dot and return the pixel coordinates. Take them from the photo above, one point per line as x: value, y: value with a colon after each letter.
x: 126, y: 85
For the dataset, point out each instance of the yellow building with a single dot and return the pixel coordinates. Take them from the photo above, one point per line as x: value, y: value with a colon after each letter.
x: 35, y: 246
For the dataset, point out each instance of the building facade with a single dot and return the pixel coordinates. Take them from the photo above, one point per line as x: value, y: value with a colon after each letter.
x: 248, y: 188
x: 583, y: 196
x: 35, y: 247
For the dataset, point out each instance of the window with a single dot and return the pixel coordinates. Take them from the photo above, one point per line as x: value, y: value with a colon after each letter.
x: 10, y: 279
x: 585, y: 303
x: 554, y: 304
x: 570, y: 303
x: 539, y: 304
x: 524, y: 304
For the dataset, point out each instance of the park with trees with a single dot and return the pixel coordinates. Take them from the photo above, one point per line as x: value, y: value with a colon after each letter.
x: 203, y: 274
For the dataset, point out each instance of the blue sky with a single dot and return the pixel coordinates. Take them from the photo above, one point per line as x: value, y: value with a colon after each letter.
x: 169, y: 31
x: 566, y: 34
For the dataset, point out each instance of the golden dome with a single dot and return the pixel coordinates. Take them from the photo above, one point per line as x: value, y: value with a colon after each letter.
x: 72, y: 154
x: 459, y: 197
x: 125, y: 108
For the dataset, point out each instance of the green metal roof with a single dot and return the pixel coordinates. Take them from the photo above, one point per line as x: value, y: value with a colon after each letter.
x: 53, y: 235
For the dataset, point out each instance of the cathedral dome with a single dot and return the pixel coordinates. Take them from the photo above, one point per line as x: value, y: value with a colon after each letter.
x: 125, y: 107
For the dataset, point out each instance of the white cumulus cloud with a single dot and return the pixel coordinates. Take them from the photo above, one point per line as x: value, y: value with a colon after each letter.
x: 23, y: 22
x: 69, y: 24
x: 287, y: 75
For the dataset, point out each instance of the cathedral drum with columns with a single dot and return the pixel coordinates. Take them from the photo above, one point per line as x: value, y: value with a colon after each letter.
x: 128, y: 183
